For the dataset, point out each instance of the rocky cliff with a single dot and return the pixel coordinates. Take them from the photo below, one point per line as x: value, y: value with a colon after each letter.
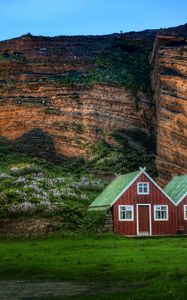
x: 169, y: 81
x: 59, y: 95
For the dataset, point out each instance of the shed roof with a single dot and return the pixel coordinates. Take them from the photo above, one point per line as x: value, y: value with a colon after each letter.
x: 113, y: 190
x: 177, y: 188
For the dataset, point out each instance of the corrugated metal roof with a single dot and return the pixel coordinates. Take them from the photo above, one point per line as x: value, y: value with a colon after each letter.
x: 177, y: 187
x: 113, y: 190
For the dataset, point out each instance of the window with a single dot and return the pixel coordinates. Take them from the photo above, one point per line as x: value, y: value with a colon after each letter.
x: 143, y: 188
x: 161, y: 212
x: 185, y: 212
x: 126, y: 212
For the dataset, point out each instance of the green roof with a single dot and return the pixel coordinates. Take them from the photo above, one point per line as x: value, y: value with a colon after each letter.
x: 177, y: 188
x: 110, y: 193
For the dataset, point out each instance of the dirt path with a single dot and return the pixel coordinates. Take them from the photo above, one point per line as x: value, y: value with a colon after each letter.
x: 27, y: 290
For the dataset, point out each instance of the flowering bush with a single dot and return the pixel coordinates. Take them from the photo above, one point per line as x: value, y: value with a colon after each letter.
x: 24, y: 168
x: 54, y: 181
x: 37, y: 197
x: 48, y: 207
x: 28, y: 190
x: 5, y: 176
x: 20, y: 181
x: 22, y: 208
x: 34, y: 186
x: 29, y: 208
x: 68, y: 193
x: 56, y: 193
x: 83, y: 197
x: 23, y: 195
x: 30, y: 194
x: 88, y: 184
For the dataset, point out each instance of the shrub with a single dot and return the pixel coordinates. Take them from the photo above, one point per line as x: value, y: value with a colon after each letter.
x: 5, y: 176
x: 3, y: 198
x: 47, y: 208
x: 87, y: 183
x: 20, y: 181
x: 28, y: 208
x: 93, y: 221
x: 22, y: 208
x: 24, y: 169
x: 72, y: 217
x: 4, y: 211
x: 13, y: 57
x: 83, y: 197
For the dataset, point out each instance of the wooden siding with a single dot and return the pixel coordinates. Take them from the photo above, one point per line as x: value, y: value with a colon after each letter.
x: 156, y: 197
x: 180, y: 215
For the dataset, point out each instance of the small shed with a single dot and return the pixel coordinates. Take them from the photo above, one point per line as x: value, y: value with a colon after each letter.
x: 138, y: 205
x: 177, y: 190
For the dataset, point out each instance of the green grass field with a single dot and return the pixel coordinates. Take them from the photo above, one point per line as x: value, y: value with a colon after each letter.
x: 143, y: 268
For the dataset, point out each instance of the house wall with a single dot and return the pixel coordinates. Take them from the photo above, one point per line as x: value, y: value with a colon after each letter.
x: 180, y: 215
x: 156, y: 197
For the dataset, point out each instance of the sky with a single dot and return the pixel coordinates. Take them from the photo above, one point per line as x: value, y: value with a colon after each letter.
x: 87, y: 17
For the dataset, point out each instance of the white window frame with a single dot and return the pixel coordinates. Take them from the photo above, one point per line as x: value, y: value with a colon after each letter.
x: 167, y: 214
x: 138, y: 188
x: 119, y: 215
x: 185, y: 212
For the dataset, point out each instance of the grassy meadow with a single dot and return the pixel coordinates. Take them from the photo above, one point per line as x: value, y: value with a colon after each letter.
x: 146, y: 268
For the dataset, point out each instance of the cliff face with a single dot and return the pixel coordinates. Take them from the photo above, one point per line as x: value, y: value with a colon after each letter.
x: 169, y: 82
x: 57, y: 95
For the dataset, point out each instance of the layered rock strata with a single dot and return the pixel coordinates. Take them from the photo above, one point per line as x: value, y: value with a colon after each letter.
x: 44, y: 111
x: 59, y: 95
x: 169, y: 81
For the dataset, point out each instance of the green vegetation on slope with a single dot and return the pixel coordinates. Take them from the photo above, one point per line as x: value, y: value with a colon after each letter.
x: 124, y: 64
x: 33, y: 186
x: 104, y: 157
x: 14, y: 57
x: 138, y: 268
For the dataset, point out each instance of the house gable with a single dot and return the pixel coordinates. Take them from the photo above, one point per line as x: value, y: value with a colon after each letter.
x: 149, y: 179
x: 155, y: 192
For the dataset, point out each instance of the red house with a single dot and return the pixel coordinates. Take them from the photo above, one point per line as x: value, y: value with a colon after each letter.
x: 138, y: 206
x: 177, y: 190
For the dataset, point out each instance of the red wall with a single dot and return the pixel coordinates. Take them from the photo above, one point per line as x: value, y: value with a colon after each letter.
x: 155, y: 197
x: 180, y: 215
